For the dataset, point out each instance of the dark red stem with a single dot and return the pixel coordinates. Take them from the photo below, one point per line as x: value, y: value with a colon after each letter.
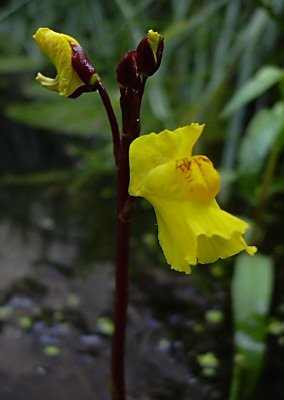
x: 121, y: 282
x: 112, y: 120
x: 130, y: 105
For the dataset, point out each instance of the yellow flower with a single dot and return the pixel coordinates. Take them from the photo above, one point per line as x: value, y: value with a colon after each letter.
x: 57, y: 47
x: 182, y: 189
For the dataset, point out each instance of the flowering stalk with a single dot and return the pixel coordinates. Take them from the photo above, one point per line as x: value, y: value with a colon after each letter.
x: 132, y: 81
x: 130, y: 105
x: 121, y: 271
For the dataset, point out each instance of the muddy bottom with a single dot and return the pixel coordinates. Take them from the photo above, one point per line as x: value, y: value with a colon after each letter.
x: 56, y: 329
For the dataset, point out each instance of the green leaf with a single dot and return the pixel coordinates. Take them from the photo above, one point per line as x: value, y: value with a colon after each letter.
x: 251, y: 297
x: 251, y: 286
x: 159, y: 102
x: 81, y: 116
x: 262, y: 132
x: 16, y: 64
x: 262, y: 81
x: 40, y: 178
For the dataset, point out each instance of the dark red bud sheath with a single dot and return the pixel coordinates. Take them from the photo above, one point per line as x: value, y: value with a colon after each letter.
x: 126, y: 70
x: 82, y: 65
x: 149, y: 53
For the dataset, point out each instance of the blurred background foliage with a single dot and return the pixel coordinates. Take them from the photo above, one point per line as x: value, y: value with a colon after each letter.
x: 223, y: 65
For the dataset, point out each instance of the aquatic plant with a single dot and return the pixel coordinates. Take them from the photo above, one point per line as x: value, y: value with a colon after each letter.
x: 160, y: 167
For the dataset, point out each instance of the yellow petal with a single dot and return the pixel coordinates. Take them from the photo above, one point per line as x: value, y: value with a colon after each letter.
x: 200, y: 178
x: 192, y: 232
x: 48, y: 83
x: 152, y: 150
x: 57, y: 47
x: 188, y: 178
x: 154, y: 38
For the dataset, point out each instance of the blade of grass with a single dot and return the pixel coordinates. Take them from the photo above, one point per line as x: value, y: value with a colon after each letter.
x: 251, y: 296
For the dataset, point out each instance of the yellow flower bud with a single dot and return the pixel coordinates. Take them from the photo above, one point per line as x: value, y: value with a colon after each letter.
x: 149, y: 53
x: 74, y: 71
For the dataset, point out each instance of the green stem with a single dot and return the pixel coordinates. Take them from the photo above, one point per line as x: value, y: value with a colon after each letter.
x: 264, y: 191
x: 235, y: 393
